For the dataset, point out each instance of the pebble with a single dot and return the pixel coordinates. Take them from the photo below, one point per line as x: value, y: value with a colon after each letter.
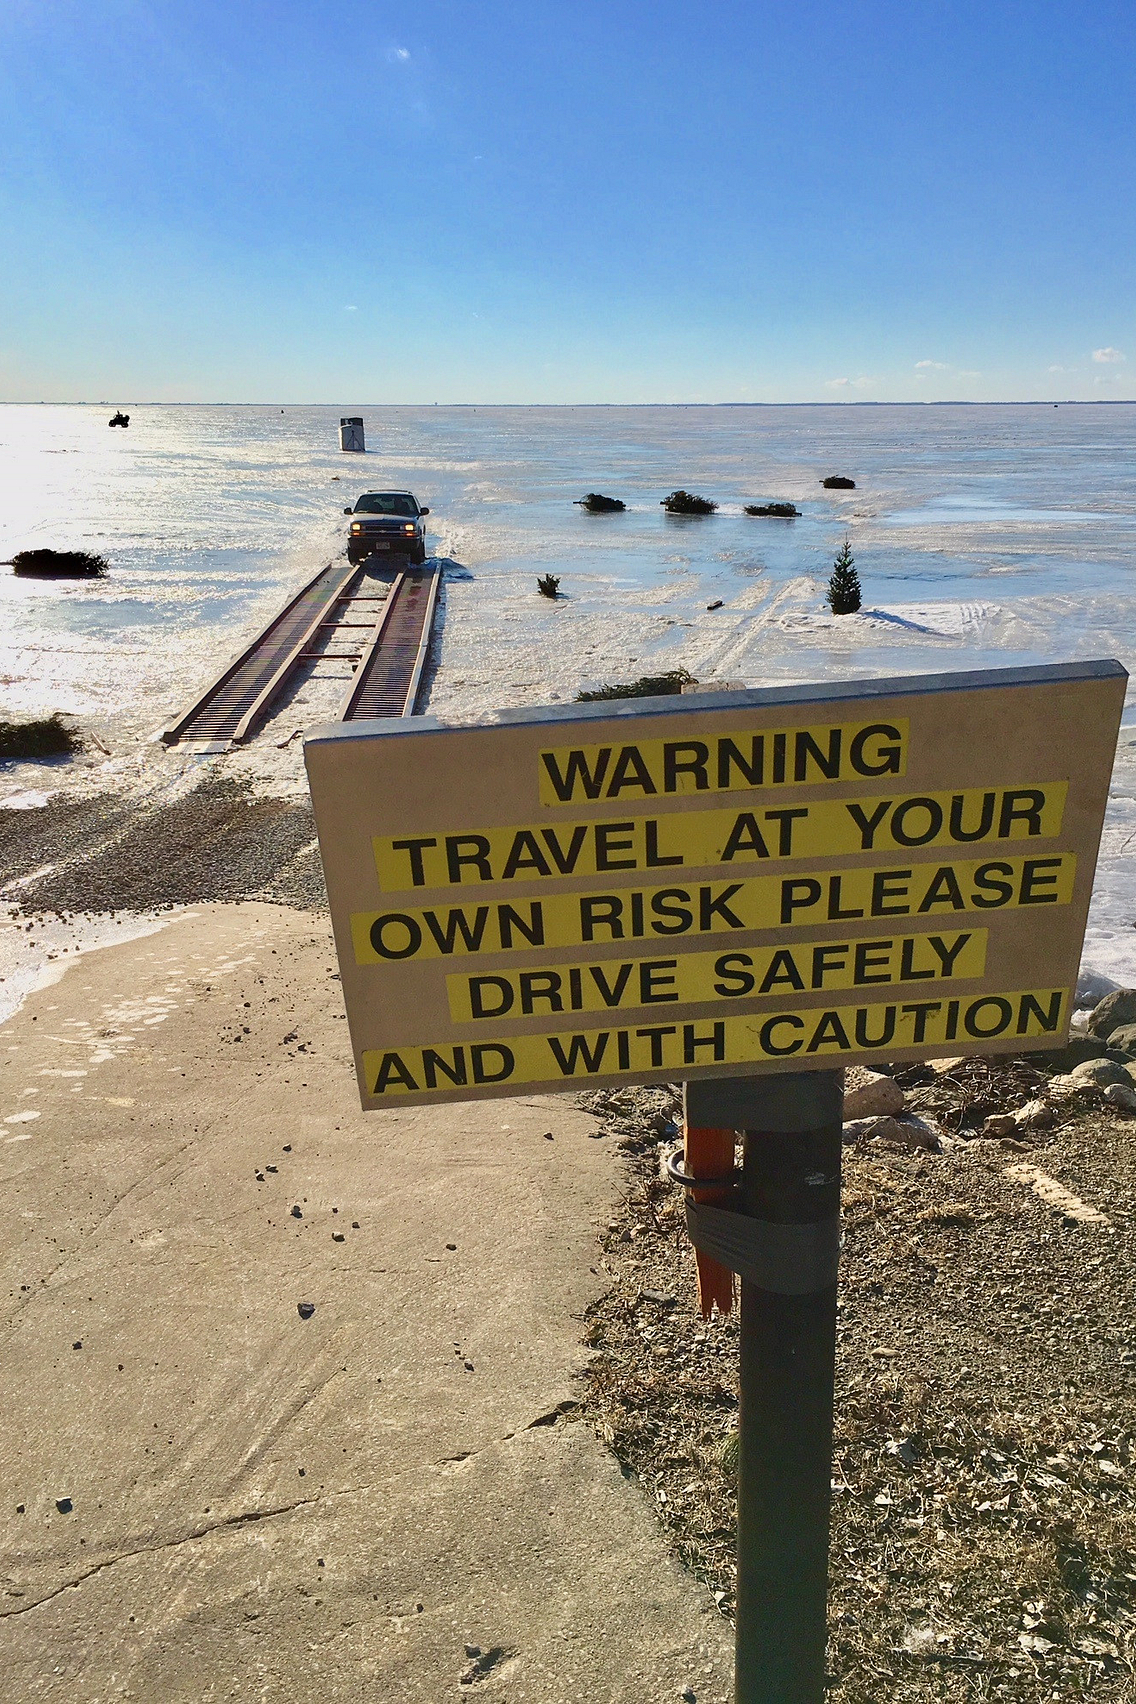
x: 305, y: 1309
x: 906, y: 1132
x: 1035, y: 1115
x: 296, y: 1213
x: 64, y: 1505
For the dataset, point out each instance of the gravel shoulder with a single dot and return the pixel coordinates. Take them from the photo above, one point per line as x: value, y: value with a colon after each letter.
x: 219, y: 841
x: 984, y: 1482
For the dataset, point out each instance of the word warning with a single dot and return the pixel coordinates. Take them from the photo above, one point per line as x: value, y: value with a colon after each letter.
x: 713, y: 884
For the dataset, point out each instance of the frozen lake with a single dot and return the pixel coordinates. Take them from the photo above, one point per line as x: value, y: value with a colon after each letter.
x: 984, y: 537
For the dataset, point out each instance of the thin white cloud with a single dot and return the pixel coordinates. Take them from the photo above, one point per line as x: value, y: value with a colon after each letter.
x: 1057, y: 368
x: 1108, y: 357
x: 861, y: 383
x: 398, y: 55
x: 351, y: 308
x: 932, y: 366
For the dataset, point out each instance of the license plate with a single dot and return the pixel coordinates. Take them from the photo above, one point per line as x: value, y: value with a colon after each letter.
x: 381, y: 544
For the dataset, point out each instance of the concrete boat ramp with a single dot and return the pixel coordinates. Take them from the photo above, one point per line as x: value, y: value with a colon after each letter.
x: 391, y: 613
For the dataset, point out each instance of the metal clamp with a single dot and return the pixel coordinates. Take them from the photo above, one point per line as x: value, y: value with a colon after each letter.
x: 791, y: 1260
x: 677, y: 1175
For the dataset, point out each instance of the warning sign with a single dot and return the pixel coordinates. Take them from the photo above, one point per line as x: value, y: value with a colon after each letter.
x: 697, y: 886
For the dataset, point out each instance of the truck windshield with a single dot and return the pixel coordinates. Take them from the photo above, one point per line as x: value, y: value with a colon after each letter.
x: 386, y: 503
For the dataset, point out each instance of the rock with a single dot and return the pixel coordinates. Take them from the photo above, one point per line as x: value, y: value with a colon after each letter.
x: 1062, y: 1087
x: 1075, y: 1052
x: 872, y: 1095
x: 944, y: 1067
x: 473, y: 1650
x: 662, y: 1298
x: 906, y: 1132
x: 1035, y: 1115
x: 1092, y: 988
x: 64, y: 1505
x: 1122, y: 1095
x: 999, y: 1124
x: 296, y: 1213
x: 1123, y: 1039
x: 1100, y: 1072
x: 717, y: 604
x: 305, y: 1309
x: 1113, y: 1011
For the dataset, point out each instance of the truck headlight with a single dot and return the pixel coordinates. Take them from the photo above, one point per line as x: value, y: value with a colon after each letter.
x: 356, y: 526
x: 408, y: 526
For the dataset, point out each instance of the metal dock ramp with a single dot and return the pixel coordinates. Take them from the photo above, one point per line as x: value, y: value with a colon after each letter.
x: 389, y: 667
x: 390, y: 670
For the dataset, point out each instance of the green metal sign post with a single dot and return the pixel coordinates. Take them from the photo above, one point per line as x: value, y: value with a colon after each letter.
x: 782, y: 1235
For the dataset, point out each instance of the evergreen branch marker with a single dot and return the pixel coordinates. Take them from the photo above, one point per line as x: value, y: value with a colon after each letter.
x: 686, y: 503
x: 843, y: 595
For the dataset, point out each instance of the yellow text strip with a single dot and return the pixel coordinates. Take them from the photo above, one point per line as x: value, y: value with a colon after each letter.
x: 660, y: 914
x: 814, y: 1035
x: 695, y: 978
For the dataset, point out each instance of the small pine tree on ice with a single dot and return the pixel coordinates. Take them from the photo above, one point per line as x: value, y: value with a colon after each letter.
x: 843, y: 596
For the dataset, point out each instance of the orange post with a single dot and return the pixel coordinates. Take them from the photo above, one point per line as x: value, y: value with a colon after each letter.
x: 710, y: 1153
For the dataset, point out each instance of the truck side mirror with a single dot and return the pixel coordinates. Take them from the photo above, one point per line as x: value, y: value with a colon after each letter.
x: 348, y: 511
x: 423, y: 511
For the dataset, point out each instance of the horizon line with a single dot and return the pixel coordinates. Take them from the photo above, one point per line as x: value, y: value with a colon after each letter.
x: 815, y: 402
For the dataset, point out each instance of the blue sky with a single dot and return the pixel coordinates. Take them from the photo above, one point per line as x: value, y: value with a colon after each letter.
x: 289, y: 200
